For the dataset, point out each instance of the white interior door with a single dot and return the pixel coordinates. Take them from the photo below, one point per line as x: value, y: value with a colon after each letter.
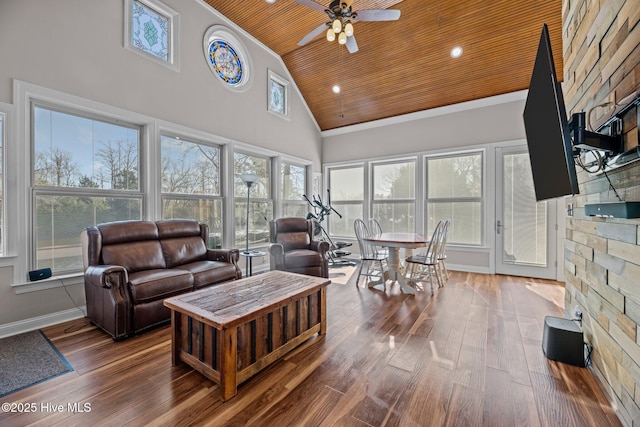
x: 525, y: 230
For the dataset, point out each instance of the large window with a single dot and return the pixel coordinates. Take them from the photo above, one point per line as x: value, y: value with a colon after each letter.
x: 261, y: 204
x: 346, y: 187
x: 293, y: 182
x: 1, y: 184
x: 393, y: 197
x: 85, y: 171
x: 191, y: 184
x: 454, y: 191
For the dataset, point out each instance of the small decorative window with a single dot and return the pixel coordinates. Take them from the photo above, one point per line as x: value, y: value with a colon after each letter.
x: 151, y: 29
x: 227, y: 58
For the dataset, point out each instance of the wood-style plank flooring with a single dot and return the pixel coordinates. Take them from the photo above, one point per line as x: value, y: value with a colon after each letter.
x: 469, y: 355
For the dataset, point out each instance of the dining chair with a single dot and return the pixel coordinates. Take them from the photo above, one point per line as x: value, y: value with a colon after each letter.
x: 375, y: 229
x: 442, y: 254
x: 425, y: 264
x: 368, y: 253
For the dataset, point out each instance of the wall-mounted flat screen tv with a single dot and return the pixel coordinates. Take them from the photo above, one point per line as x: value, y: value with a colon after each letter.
x: 547, y: 129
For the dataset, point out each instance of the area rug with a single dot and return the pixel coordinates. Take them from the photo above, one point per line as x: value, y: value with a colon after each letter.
x: 341, y: 274
x: 27, y: 359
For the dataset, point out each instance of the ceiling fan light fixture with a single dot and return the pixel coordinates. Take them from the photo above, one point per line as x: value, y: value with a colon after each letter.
x: 331, y: 36
x: 337, y: 26
x: 348, y: 29
x: 342, y: 38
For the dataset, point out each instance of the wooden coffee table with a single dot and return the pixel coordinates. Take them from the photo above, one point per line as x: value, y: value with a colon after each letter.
x: 229, y: 332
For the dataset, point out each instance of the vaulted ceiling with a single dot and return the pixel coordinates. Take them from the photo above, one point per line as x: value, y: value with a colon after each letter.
x: 404, y: 66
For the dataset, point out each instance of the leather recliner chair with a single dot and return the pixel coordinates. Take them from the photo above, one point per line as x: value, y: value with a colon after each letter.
x: 293, y: 248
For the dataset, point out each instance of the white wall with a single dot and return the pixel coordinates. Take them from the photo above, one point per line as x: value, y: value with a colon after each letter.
x: 484, y: 121
x: 76, y: 47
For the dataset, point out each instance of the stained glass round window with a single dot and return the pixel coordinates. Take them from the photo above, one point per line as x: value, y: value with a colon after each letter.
x: 226, y: 57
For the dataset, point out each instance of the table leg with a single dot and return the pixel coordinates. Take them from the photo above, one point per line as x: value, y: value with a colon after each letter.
x: 395, y: 270
x: 176, y: 337
x: 229, y: 363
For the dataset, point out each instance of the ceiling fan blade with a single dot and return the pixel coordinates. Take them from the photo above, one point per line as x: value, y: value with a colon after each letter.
x: 311, y: 4
x: 352, y: 46
x: 313, y: 34
x: 378, y: 15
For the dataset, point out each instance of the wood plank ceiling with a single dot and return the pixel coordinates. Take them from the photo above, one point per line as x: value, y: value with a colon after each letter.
x: 404, y: 66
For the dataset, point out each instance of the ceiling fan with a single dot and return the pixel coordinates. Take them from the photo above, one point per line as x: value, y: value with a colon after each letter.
x: 341, y: 19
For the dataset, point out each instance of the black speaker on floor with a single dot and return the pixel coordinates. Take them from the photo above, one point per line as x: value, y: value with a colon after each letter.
x: 40, y: 274
x: 563, y: 341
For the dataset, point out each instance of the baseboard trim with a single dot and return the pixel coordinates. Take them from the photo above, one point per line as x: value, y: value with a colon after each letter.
x: 34, y: 323
x: 468, y: 268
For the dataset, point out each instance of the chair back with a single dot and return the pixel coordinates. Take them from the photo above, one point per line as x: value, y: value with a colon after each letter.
x: 442, y: 247
x: 292, y: 233
x: 374, y: 227
x: 367, y: 251
x: 430, y: 256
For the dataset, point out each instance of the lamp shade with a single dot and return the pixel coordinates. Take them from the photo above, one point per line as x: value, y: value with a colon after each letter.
x: 337, y: 26
x: 348, y: 29
x: 342, y: 38
x: 249, y: 178
x: 331, y: 36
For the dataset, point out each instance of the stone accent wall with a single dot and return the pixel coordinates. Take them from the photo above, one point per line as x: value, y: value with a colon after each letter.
x: 601, y: 42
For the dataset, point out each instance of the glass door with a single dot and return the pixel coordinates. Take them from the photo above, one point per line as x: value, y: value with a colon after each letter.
x: 525, y: 230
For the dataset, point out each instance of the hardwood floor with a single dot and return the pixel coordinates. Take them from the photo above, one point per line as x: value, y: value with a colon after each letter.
x: 469, y: 355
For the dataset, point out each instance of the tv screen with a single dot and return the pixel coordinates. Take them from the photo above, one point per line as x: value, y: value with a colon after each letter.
x: 547, y: 129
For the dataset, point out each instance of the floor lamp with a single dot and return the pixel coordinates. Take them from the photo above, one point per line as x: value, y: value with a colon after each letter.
x: 248, y: 179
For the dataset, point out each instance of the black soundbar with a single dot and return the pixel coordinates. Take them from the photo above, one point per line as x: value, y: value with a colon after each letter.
x: 613, y: 209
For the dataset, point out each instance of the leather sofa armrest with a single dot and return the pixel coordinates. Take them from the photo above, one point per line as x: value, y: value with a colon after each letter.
x: 225, y: 255
x: 320, y: 246
x: 106, y: 276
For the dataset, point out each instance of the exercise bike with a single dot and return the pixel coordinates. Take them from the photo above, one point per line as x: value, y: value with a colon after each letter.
x: 321, y: 211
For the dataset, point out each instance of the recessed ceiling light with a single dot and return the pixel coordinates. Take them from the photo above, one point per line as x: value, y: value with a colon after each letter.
x: 336, y: 89
x: 270, y: 1
x: 456, y: 52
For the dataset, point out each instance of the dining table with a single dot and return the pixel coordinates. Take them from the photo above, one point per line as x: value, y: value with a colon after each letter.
x: 394, y: 242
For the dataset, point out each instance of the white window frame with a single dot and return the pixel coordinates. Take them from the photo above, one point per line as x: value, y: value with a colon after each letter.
x: 270, y: 199
x: 372, y: 199
x: 336, y: 203
x: 63, y: 191
x: 281, y: 200
x: 206, y: 141
x: 481, y: 199
x: 4, y: 114
x: 173, y: 41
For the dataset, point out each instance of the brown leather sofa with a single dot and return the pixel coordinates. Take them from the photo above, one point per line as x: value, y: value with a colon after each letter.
x: 132, y: 266
x: 293, y: 248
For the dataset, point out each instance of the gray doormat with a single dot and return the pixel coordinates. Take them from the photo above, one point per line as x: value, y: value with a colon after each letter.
x: 27, y: 359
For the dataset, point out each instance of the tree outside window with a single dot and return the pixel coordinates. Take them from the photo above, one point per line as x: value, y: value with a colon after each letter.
x: 293, y: 182
x: 85, y: 172
x: 261, y: 204
x: 393, y: 203
x: 191, y: 184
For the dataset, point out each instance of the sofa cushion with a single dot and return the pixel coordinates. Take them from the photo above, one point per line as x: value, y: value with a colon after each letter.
x: 127, y: 231
x: 183, y: 250
x: 151, y: 285
x: 134, y: 256
x: 178, y: 228
x: 208, y: 272
x: 302, y: 258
